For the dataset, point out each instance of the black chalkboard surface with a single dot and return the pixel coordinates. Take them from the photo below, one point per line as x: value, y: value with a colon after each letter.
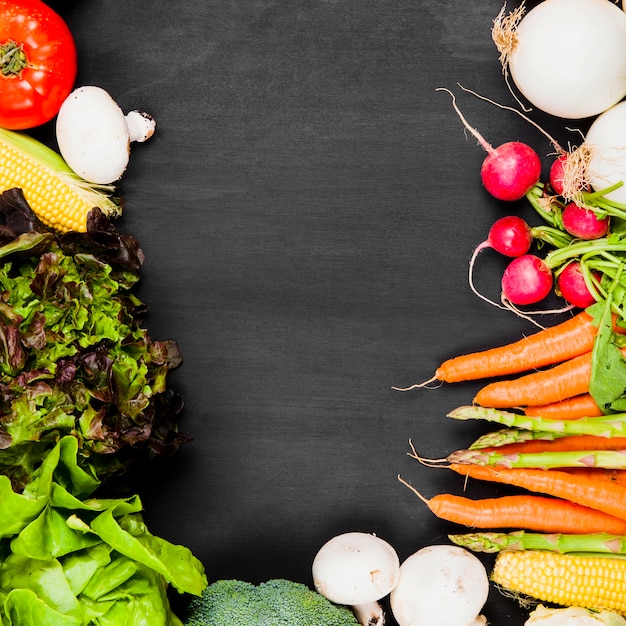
x: 307, y: 208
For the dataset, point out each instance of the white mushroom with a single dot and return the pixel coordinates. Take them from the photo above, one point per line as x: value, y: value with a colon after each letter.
x: 440, y: 585
x: 357, y: 569
x: 94, y: 135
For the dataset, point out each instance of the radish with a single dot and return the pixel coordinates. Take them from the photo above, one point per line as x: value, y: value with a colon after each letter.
x: 509, y: 171
x: 557, y: 172
x: 583, y: 222
x: 527, y: 279
x: 510, y: 236
x: 567, y: 57
x: 572, y: 286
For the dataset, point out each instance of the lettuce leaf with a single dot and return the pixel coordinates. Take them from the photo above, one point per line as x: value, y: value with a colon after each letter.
x: 74, y: 357
x: 69, y: 557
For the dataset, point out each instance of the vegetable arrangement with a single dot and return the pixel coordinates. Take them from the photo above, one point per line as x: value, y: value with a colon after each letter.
x: 84, y: 390
x: 558, y: 395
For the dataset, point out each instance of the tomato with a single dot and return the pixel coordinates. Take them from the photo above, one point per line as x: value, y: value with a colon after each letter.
x: 38, y: 63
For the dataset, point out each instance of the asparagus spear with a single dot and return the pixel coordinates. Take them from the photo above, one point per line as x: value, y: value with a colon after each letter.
x: 491, y: 542
x: 510, y: 435
x: 604, y: 426
x: 608, y: 459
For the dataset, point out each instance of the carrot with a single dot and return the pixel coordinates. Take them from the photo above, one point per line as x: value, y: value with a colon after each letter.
x: 548, y: 346
x: 554, y: 384
x: 598, y: 473
x: 582, y: 405
x: 569, y: 443
x: 528, y: 512
x: 609, y: 497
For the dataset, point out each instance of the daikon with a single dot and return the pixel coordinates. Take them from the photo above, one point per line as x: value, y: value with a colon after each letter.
x: 567, y: 57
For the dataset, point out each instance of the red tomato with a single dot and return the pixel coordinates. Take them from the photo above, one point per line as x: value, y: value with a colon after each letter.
x: 37, y: 63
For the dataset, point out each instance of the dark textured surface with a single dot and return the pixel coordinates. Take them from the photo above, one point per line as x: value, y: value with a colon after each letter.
x: 307, y: 208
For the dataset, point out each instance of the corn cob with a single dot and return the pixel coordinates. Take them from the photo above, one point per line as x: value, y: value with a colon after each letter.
x: 58, y: 197
x: 594, y: 582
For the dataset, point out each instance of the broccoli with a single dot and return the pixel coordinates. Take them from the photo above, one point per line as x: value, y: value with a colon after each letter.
x: 277, y: 602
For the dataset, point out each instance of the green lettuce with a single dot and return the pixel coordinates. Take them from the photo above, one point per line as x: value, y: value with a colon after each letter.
x: 74, y: 357
x: 69, y: 557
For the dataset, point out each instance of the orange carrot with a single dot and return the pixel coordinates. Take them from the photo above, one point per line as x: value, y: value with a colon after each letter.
x: 546, y: 347
x: 582, y: 405
x: 598, y: 473
x: 554, y: 384
x: 569, y: 443
x: 528, y: 512
x: 605, y: 496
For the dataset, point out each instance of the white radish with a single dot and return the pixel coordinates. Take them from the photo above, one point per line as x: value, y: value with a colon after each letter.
x: 567, y: 57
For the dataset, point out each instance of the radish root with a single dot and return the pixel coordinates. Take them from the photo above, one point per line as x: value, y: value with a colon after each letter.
x: 470, y: 276
x: 485, y: 145
x: 552, y: 140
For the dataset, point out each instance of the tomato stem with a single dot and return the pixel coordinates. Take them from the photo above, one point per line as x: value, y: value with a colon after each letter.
x: 12, y: 59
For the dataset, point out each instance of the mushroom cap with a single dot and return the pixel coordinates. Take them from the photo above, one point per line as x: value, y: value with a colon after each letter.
x: 355, y: 568
x: 440, y: 585
x: 92, y: 135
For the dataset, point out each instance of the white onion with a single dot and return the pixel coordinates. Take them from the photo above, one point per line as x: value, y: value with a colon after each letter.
x: 606, y: 139
x: 568, y: 57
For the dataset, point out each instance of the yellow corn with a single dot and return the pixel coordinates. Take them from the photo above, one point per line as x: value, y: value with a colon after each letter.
x: 58, y: 197
x: 592, y: 582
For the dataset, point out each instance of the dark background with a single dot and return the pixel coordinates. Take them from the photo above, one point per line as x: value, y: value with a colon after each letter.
x: 307, y: 207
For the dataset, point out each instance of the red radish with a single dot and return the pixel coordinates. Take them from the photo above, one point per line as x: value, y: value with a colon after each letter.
x: 572, y: 286
x: 583, y: 222
x: 557, y: 174
x: 510, y: 236
x: 509, y: 171
x: 527, y: 279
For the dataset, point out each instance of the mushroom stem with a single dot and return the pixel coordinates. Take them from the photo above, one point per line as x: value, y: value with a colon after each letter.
x: 369, y: 614
x: 141, y: 126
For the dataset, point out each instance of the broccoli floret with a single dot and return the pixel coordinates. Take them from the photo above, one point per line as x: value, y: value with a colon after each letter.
x: 277, y: 602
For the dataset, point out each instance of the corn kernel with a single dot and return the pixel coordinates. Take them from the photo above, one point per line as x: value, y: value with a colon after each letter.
x: 59, y: 198
x: 593, y: 582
